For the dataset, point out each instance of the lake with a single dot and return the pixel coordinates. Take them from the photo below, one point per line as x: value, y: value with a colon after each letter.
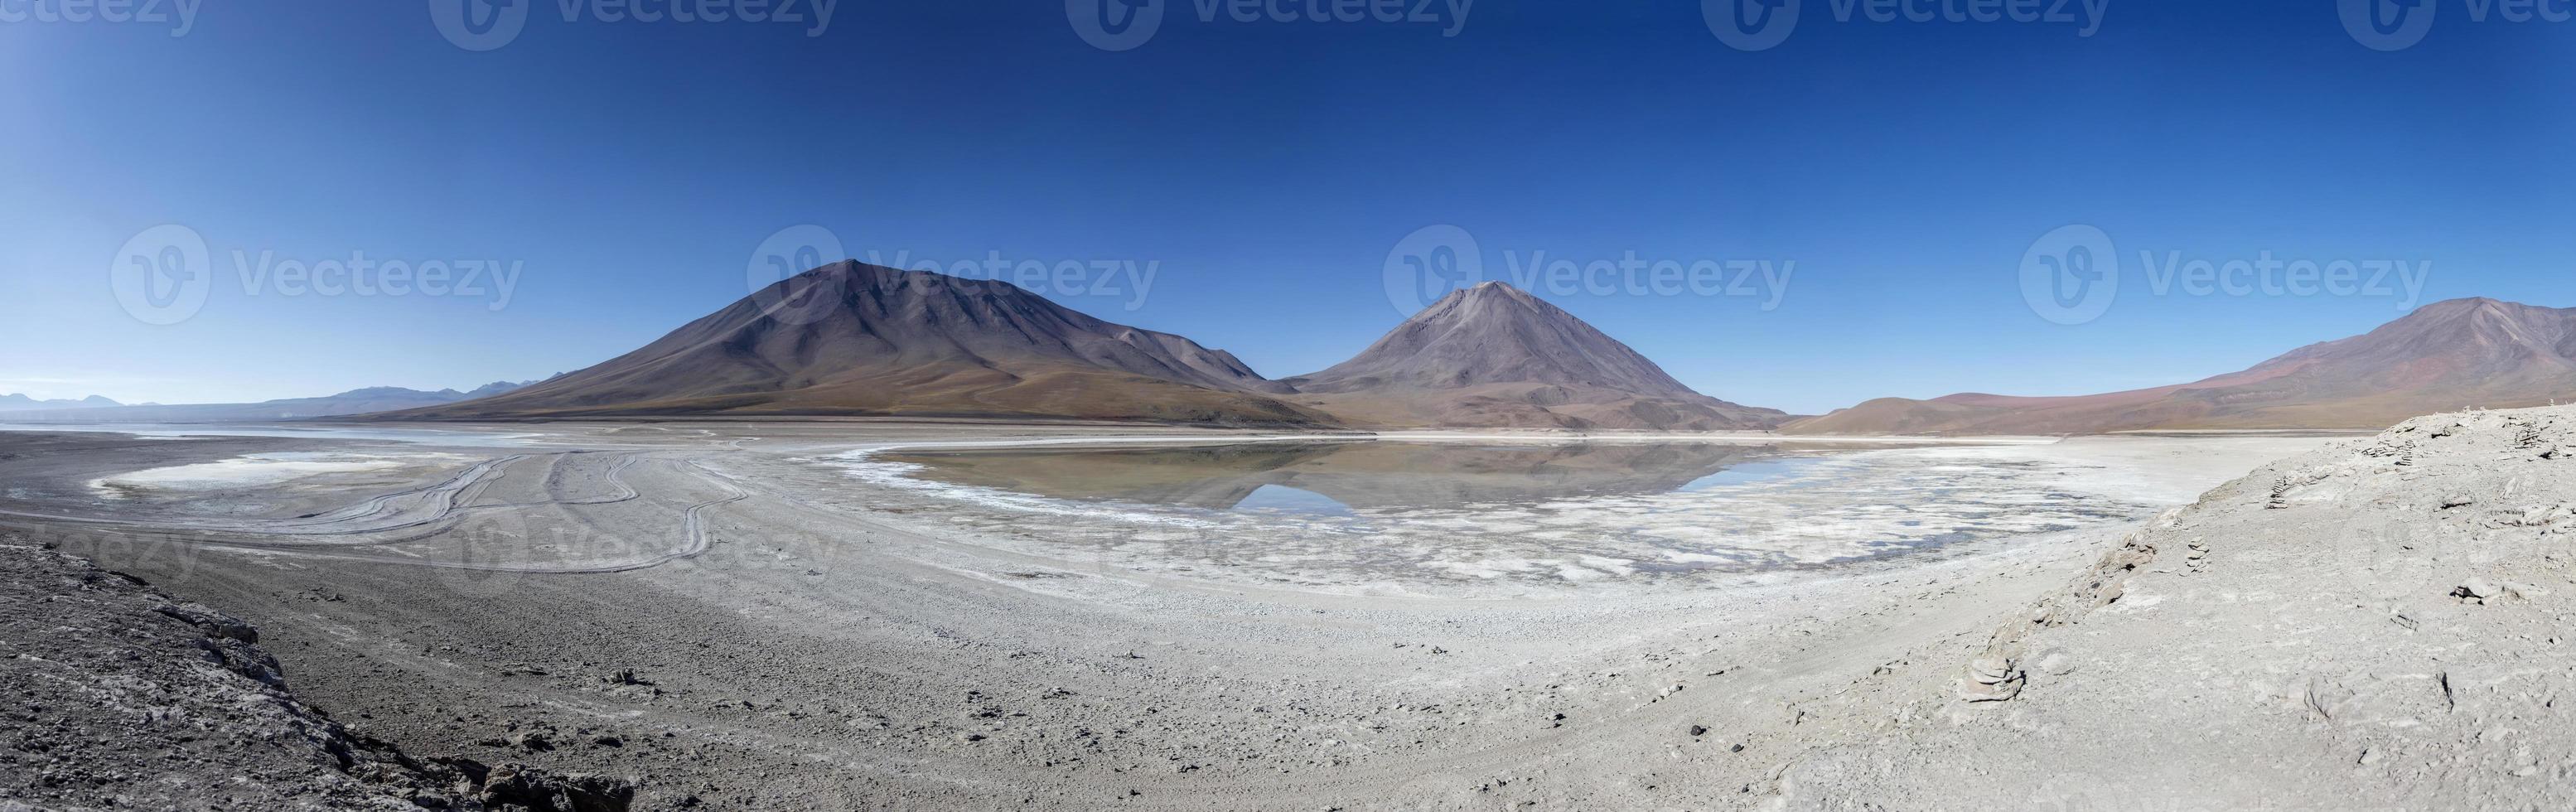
x: 1334, y: 511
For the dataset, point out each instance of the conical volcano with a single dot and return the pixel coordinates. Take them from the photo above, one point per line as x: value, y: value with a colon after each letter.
x: 857, y: 339
x: 1495, y: 356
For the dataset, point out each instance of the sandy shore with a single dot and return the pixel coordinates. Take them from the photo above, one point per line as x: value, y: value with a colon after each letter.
x: 703, y: 608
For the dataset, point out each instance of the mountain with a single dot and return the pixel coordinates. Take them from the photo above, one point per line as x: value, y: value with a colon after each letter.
x: 857, y: 339
x: 18, y: 402
x: 354, y: 401
x: 358, y: 401
x: 2444, y: 356
x: 1495, y: 356
x: 495, y: 388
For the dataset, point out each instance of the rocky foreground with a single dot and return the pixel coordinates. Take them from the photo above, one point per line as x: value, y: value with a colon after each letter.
x: 2381, y: 624
x: 121, y: 697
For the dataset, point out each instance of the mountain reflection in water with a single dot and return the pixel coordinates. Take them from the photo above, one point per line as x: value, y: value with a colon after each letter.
x: 1372, y: 512
x: 1345, y: 475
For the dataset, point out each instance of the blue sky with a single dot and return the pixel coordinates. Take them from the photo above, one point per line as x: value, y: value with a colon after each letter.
x: 625, y: 173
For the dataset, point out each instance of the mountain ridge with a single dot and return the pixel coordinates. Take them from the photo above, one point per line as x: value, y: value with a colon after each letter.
x: 2474, y: 351
x: 13, y: 402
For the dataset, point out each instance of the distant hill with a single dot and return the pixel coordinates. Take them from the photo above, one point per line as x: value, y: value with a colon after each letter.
x: 1495, y: 356
x: 495, y: 388
x: 887, y: 342
x: 18, y: 402
x: 355, y: 401
x: 2444, y: 356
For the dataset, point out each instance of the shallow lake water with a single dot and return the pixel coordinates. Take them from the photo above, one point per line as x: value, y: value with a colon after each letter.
x: 1530, y: 512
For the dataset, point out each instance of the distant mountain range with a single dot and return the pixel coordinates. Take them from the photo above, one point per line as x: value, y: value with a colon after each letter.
x: 857, y: 339
x: 19, y: 403
x: 889, y: 342
x: 2444, y: 356
x: 355, y: 401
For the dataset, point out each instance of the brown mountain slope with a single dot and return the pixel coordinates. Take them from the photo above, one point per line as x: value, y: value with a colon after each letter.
x: 1495, y: 356
x: 2444, y: 356
x: 856, y: 339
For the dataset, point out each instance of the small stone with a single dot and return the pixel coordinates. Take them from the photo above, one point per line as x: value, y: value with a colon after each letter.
x: 1991, y: 670
x: 1975, y: 691
x: 2477, y: 590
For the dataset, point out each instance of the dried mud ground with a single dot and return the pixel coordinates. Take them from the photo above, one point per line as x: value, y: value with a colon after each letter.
x: 698, y: 608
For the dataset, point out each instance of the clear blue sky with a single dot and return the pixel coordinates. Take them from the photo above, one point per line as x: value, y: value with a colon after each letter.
x: 629, y: 169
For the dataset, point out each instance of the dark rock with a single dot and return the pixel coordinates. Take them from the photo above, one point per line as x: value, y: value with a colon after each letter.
x: 541, y: 791
x: 213, y: 623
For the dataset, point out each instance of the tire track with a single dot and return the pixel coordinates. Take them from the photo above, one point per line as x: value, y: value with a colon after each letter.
x: 312, y: 537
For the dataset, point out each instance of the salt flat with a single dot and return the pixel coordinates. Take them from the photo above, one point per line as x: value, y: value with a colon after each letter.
x: 757, y: 617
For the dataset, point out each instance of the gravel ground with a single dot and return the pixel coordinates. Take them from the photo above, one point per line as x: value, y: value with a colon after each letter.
x: 126, y: 698
x: 697, y: 609
x: 2379, y: 624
